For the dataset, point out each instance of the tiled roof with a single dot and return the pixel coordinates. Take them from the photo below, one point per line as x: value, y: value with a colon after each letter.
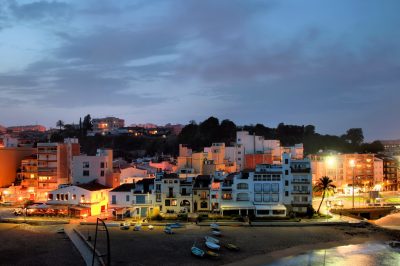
x: 92, y: 186
x: 127, y: 187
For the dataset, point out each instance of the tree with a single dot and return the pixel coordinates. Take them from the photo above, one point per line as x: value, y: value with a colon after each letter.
x: 325, y: 186
x: 355, y: 136
x: 60, y: 124
x: 87, y: 123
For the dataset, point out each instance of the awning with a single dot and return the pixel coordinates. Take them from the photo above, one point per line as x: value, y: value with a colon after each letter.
x: 271, y: 207
x: 237, y: 207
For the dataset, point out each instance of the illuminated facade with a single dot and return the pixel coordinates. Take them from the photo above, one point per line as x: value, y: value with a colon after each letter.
x: 342, y: 167
x: 107, y: 124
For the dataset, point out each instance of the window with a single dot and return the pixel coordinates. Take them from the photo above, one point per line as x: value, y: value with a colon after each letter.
x: 57, y: 196
x: 158, y: 197
x: 286, y: 183
x: 66, y: 196
x: 239, y: 152
x: 102, y: 165
x: 242, y: 197
x: 85, y: 165
x: 274, y: 197
x: 113, y: 199
x: 227, y: 196
x: 82, y: 198
x: 258, y: 187
x: 62, y: 196
x: 304, y: 199
x: 286, y: 193
x: 183, y: 191
x: 102, y: 173
x: 258, y: 197
x: 239, y: 159
x: 158, y: 187
x: 266, y: 187
x: 174, y: 202
x: 176, y: 181
x: 263, y: 212
x: 278, y: 212
x: 165, y: 181
x: 286, y: 172
x: 286, y: 161
x: 73, y: 197
x: 50, y: 196
x: 266, y: 198
x: 275, y: 187
x: 203, y: 195
x: 85, y: 173
x: 204, y: 205
x: 242, y: 186
x: 167, y: 202
x: 127, y: 198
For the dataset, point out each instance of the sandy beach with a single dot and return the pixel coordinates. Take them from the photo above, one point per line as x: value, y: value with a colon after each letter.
x: 23, y: 244
x: 259, y: 245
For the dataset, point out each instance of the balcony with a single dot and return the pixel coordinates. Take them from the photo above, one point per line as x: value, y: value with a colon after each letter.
x: 145, y: 202
x: 300, y: 170
x: 302, y: 192
x: 301, y: 181
x: 300, y: 203
x: 170, y: 195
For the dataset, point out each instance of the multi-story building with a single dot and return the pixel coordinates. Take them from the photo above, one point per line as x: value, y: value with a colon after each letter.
x: 391, y: 147
x: 10, y: 161
x: 107, y: 124
x: 134, y: 199
x: 86, y: 168
x: 54, y: 164
x: 378, y: 173
x: 82, y: 200
x: 270, y: 190
x: 341, y: 168
x: 390, y: 173
x: 201, y: 193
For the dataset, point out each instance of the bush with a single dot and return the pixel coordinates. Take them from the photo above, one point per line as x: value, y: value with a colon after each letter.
x: 183, y: 216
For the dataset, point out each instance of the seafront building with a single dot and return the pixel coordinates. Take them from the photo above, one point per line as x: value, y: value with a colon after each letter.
x: 107, y: 124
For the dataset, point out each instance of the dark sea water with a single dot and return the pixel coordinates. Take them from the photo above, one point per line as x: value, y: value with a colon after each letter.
x: 368, y: 254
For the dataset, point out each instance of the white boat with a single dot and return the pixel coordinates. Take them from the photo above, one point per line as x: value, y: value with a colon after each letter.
x: 137, y: 227
x: 151, y: 227
x: 211, y: 239
x: 214, y: 226
x: 168, y: 230
x: 124, y: 226
x: 216, y: 233
x: 212, y: 245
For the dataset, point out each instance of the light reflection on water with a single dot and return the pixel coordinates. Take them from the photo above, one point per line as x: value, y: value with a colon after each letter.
x: 369, y: 254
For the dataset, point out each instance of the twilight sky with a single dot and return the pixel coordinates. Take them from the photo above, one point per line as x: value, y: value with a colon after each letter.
x: 334, y: 64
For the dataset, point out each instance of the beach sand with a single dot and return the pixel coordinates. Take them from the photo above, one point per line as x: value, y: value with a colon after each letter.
x: 259, y: 245
x: 23, y: 244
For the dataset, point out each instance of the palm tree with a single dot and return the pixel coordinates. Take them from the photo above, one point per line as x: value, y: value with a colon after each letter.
x: 60, y: 124
x: 325, y: 186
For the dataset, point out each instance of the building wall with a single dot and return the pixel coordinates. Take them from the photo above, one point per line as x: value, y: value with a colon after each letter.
x: 89, y: 168
x: 10, y: 161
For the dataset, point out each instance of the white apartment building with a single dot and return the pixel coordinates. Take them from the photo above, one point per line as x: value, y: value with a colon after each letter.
x: 86, y: 168
x: 133, y: 199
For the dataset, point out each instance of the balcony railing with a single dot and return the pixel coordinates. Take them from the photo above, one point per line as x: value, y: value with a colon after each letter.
x: 300, y: 170
x: 142, y: 202
x: 171, y: 195
x: 301, y: 181
x: 301, y: 192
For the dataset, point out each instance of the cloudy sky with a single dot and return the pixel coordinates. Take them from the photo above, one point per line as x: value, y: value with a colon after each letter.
x: 334, y: 64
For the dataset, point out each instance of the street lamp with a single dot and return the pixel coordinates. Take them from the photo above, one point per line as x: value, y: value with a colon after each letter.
x: 353, y: 165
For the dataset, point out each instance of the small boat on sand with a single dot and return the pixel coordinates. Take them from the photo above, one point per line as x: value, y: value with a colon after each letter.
x: 216, y: 233
x: 168, y: 230
x: 212, y: 254
x: 124, y: 226
x: 197, y: 252
x: 137, y: 227
x: 212, y: 245
x: 231, y: 247
x: 211, y: 239
x: 150, y: 227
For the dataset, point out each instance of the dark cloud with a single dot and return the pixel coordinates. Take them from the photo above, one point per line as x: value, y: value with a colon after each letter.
x: 40, y: 10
